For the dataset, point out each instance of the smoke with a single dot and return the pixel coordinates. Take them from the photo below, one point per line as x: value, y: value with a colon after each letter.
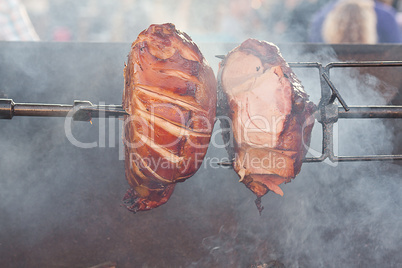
x: 60, y: 204
x: 47, y: 184
x: 343, y: 215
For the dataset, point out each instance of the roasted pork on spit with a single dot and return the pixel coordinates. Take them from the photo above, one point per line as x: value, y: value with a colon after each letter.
x: 170, y: 96
x: 270, y: 116
x: 169, y: 106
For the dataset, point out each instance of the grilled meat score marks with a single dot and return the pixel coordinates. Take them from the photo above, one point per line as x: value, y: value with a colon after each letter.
x: 270, y: 116
x: 170, y: 95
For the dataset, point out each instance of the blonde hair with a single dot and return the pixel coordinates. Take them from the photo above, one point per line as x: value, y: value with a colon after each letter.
x: 351, y: 21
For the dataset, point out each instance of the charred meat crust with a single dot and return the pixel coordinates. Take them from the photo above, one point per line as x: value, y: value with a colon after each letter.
x: 170, y: 95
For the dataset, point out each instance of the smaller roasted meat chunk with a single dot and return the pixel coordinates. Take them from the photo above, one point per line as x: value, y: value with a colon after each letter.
x: 270, y: 116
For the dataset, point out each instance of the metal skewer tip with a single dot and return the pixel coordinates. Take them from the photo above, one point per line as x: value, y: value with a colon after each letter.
x: 225, y: 164
x: 80, y: 110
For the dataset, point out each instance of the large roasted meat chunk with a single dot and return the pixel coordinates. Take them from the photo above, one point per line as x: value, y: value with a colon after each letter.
x: 269, y: 113
x: 170, y: 96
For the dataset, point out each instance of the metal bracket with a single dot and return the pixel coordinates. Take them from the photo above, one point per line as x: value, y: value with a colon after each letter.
x: 329, y: 113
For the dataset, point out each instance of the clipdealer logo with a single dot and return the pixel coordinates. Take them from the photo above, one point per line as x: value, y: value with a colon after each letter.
x: 148, y: 122
x: 269, y: 161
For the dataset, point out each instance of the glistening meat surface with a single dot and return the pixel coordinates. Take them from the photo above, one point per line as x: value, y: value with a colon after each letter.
x: 270, y: 116
x: 170, y: 94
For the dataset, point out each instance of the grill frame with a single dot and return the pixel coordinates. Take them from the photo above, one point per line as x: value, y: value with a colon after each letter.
x: 329, y: 112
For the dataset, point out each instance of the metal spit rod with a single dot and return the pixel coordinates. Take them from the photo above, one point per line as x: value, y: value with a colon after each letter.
x: 328, y: 113
x: 85, y: 110
x: 80, y: 110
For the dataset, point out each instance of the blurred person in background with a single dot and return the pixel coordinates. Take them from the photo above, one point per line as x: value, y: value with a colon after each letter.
x: 15, y: 24
x: 397, y: 4
x: 351, y: 21
x: 396, y: 7
x: 387, y: 29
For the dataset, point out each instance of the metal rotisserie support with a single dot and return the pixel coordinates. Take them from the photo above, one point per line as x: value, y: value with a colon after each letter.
x: 61, y: 202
